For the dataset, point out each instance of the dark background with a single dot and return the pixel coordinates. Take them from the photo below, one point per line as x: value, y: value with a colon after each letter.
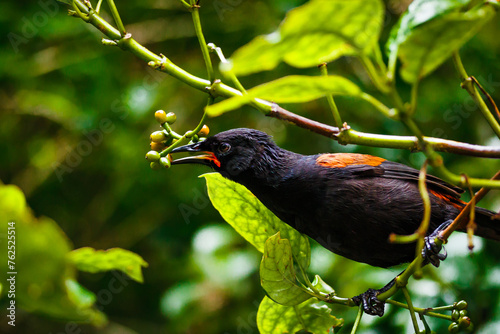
x: 61, y: 86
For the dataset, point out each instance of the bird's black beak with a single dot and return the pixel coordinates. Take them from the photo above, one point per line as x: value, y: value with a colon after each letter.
x: 207, y: 158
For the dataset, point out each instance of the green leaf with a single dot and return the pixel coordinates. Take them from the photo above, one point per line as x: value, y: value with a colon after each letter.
x: 321, y: 285
x: 319, y: 31
x: 45, y: 281
x: 90, y: 260
x: 251, y: 219
x: 311, y: 315
x: 277, y: 275
x: 430, y: 32
x: 79, y: 295
x: 289, y: 89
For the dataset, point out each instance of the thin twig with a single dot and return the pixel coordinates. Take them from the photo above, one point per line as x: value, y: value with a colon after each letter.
x: 488, y: 96
x: 358, y: 319
x: 331, y: 102
x: 468, y: 85
x: 460, y: 221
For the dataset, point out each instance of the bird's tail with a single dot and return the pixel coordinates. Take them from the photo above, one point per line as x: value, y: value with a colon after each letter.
x: 488, y: 224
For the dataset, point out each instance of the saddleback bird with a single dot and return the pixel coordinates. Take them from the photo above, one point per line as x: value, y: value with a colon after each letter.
x: 349, y: 203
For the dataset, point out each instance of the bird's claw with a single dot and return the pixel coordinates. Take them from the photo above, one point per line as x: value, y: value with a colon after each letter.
x: 371, y: 305
x: 432, y: 251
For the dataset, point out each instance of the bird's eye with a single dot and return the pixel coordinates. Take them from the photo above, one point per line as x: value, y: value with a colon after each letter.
x: 224, y: 147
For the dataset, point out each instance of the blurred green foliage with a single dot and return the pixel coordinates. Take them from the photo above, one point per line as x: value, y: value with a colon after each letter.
x: 74, y: 127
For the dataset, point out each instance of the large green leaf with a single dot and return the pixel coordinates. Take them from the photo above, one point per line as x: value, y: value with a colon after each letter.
x: 277, y: 274
x: 431, y: 31
x: 93, y: 261
x: 289, y: 89
x: 311, y: 315
x: 251, y: 219
x: 45, y: 281
x: 319, y: 31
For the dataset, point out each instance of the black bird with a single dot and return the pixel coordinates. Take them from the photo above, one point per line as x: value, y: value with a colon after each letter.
x: 349, y: 203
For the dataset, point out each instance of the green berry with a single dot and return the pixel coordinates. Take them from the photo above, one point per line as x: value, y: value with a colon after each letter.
x: 165, y: 162
x: 204, y: 131
x: 153, y: 156
x: 158, y: 147
x: 461, y: 305
x: 463, y: 313
x: 464, y: 322
x: 161, y: 116
x: 195, y: 139
x: 171, y: 118
x: 158, y: 136
x: 453, y: 328
x: 455, y: 315
x: 155, y: 165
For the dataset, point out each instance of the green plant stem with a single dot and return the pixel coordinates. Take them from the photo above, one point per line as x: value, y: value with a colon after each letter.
x: 411, y: 143
x: 116, y: 17
x: 386, y: 111
x: 436, y: 161
x: 468, y: 85
x: 424, y: 226
x: 358, y: 320
x: 462, y: 217
x: 195, y: 12
x: 421, y: 232
x: 411, y: 309
x: 337, y: 120
x: 186, y: 5
x: 402, y: 279
x: 379, y: 59
x: 181, y: 140
x: 227, y: 70
x: 413, y: 99
x: 423, y: 311
x: 98, y: 7
x: 377, y: 80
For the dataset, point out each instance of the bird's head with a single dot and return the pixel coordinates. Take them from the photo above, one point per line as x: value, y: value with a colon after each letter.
x: 234, y: 153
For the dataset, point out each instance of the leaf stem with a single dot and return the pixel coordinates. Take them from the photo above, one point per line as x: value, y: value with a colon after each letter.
x: 413, y: 99
x: 468, y: 85
x: 422, y: 311
x: 459, y: 221
x: 411, y: 309
x: 116, y: 17
x: 227, y: 69
x: 337, y: 120
x: 98, y: 6
x: 358, y: 319
x: 186, y: 5
x: 421, y: 232
x: 386, y: 111
x: 195, y: 12
x: 374, y: 76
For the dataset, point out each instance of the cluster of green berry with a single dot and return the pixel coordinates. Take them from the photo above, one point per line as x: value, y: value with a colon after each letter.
x: 459, y: 316
x: 164, y: 140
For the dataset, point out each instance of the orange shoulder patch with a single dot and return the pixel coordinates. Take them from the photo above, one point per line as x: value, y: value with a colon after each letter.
x: 339, y: 160
x: 456, y: 202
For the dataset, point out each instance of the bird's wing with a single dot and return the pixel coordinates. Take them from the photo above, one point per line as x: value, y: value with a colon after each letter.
x: 396, y: 170
x: 364, y: 165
